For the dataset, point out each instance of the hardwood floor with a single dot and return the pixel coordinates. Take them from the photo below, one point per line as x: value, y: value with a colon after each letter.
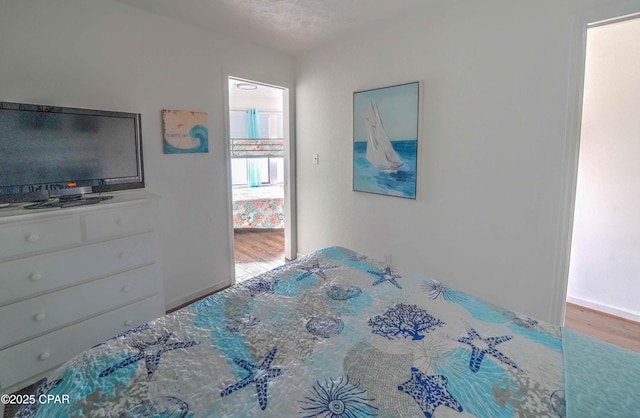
x: 257, y: 251
x: 602, y: 326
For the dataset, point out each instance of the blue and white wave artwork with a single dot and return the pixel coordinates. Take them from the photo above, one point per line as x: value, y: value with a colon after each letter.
x: 200, y: 135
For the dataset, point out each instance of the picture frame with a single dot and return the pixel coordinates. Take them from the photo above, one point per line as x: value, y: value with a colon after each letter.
x: 185, y: 132
x: 386, y: 125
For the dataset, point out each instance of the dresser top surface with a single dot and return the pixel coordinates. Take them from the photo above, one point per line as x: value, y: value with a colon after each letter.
x: 17, y: 212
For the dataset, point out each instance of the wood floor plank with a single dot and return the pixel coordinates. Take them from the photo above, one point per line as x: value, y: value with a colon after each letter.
x: 602, y: 326
x: 257, y: 251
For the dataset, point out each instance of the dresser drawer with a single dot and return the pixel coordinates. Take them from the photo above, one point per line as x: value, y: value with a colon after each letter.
x: 113, y: 223
x: 26, y: 277
x: 41, y: 354
x: 31, y: 237
x: 22, y: 320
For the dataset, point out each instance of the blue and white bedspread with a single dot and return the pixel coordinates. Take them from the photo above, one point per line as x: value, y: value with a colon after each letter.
x: 333, y: 334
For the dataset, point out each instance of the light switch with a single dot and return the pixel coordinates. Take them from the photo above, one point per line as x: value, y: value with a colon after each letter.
x: 316, y: 159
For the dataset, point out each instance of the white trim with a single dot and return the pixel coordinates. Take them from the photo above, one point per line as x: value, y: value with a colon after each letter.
x: 194, y: 296
x: 228, y: 181
x: 291, y: 220
x: 612, y: 14
x: 572, y: 146
x: 604, y: 308
x: 569, y: 172
x: 618, y: 19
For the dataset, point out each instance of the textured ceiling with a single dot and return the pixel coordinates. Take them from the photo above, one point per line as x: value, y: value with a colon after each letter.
x: 291, y: 26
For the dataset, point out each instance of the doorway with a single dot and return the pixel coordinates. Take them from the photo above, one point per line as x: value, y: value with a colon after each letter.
x: 605, y: 240
x: 258, y: 121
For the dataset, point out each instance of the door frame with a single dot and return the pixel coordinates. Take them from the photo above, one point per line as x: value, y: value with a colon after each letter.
x: 288, y: 104
x: 593, y: 17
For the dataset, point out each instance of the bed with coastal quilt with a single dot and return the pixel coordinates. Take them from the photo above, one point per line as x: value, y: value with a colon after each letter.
x: 336, y: 334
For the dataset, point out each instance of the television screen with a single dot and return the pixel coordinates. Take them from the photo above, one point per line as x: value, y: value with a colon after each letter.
x: 56, y: 148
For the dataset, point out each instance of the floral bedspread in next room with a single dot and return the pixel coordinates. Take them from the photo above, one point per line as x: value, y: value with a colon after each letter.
x: 261, y: 207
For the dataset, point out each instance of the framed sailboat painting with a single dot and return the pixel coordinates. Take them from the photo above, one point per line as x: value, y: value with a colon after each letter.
x: 385, y: 140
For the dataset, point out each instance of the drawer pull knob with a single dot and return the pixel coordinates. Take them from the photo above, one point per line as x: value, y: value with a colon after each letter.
x: 120, y: 222
x: 128, y: 322
x: 125, y: 254
x: 33, y: 238
x: 44, y: 356
x: 126, y: 289
x: 35, y: 276
x: 40, y: 317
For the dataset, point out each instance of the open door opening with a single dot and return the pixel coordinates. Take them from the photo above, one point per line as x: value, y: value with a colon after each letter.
x: 258, y: 119
x: 603, y: 269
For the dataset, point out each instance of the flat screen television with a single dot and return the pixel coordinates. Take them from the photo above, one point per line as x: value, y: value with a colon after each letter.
x: 50, y: 150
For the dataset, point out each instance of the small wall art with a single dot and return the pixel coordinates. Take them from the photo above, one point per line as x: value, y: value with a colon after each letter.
x: 385, y: 140
x: 185, y: 132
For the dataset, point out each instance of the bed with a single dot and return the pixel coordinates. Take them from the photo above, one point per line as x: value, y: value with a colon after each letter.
x: 258, y: 207
x: 338, y: 334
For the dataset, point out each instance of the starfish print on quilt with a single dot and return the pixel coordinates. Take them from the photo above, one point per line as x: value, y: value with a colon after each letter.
x: 429, y: 392
x: 150, y: 352
x: 386, y: 276
x: 258, y: 375
x: 481, y: 346
x: 316, y: 269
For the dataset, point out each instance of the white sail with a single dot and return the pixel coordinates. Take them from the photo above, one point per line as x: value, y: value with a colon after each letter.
x: 380, y: 152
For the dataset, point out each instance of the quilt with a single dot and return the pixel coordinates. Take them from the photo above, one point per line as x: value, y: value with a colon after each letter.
x: 258, y: 207
x: 334, y: 334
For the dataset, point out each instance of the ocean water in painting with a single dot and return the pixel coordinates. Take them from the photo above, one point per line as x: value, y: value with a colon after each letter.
x: 368, y: 178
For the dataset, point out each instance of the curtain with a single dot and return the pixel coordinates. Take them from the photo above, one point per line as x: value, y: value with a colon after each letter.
x: 253, y: 132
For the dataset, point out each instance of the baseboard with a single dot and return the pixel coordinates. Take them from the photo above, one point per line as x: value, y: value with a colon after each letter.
x: 298, y: 255
x: 187, y: 300
x: 604, y: 308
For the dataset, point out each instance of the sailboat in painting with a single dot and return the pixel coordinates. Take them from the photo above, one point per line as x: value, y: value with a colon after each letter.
x: 380, y: 152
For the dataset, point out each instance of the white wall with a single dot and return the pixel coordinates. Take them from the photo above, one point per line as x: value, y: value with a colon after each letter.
x: 107, y: 55
x: 496, y: 82
x: 605, y: 267
x: 261, y: 103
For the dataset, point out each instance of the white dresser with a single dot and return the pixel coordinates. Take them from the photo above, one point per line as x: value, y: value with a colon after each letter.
x: 71, y: 278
